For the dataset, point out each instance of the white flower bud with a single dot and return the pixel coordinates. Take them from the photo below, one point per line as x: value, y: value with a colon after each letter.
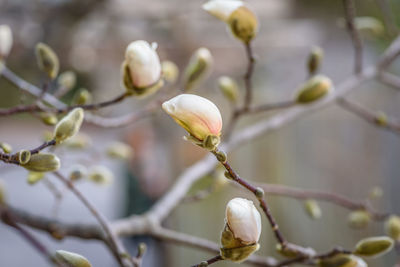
x: 244, y: 220
x: 197, y: 115
x: 6, y: 41
x: 222, y: 9
x: 142, y: 68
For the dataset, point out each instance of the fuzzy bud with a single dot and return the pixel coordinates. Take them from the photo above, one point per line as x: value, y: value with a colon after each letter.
x: 392, y: 227
x: 376, y: 192
x: 69, y: 125
x: 119, y: 150
x: 67, y: 80
x: 221, y: 156
x: 6, y: 41
x: 312, y: 209
x: 374, y: 246
x: 229, y: 88
x: 315, y: 59
x: 78, y: 141
x: 24, y: 156
x: 72, y: 259
x: 2, y: 193
x: 170, y: 71
x: 100, y: 175
x: 47, y: 60
x: 34, y: 177
x: 359, y: 219
x: 77, y: 172
x: 198, y: 69
x: 82, y: 97
x: 43, y: 162
x: 369, y: 26
x: 342, y: 260
x: 48, y: 118
x: 381, y: 118
x: 6, y: 147
x: 141, y: 70
x: 314, y: 89
x: 197, y: 115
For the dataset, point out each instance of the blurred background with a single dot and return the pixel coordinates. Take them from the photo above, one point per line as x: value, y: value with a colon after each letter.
x: 331, y: 150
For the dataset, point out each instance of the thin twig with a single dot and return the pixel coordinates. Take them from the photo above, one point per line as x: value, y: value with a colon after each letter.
x: 13, y: 158
x: 248, y: 75
x: 387, y: 17
x: 210, y: 261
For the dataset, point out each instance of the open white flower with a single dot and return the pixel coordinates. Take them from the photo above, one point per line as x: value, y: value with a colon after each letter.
x: 6, y: 41
x: 222, y: 9
x: 244, y: 220
x: 197, y: 115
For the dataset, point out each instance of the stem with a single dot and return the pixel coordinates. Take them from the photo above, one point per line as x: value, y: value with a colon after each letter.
x: 247, y: 77
x: 210, y: 261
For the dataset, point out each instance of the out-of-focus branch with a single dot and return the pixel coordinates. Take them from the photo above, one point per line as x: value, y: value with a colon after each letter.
x: 387, y: 17
x: 390, y: 79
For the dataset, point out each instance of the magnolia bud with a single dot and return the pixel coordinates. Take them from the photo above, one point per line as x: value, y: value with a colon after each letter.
x: 24, y: 156
x: 67, y: 80
x: 141, y: 70
x: 119, y: 150
x: 82, y: 97
x: 374, y: 246
x: 2, y: 193
x: 240, y: 19
x: 78, y: 141
x: 47, y: 60
x: 359, y: 219
x: 286, y: 252
x: 100, y: 175
x: 6, y: 41
x: 381, y: 118
x: 170, y: 71
x: 376, y: 192
x: 221, y: 156
x: 369, y: 26
x: 229, y: 88
x: 49, y: 118
x: 314, y: 89
x: 342, y: 260
x: 312, y: 209
x: 72, y: 259
x: 315, y: 59
x: 242, y: 230
x: 43, y: 162
x: 392, y: 227
x: 5, y: 147
x: 198, y: 69
x: 34, y: 177
x: 197, y: 115
x: 69, y: 125
x: 77, y: 172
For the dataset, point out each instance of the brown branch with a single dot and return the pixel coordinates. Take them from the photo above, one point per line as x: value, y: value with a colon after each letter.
x: 209, y: 262
x: 13, y: 158
x: 387, y: 17
x: 390, y: 79
x: 248, y: 75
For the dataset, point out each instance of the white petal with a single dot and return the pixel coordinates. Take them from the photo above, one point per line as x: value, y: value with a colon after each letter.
x: 6, y: 40
x: 222, y: 9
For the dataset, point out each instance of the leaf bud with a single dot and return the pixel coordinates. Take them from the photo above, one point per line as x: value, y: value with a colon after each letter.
x: 69, y: 125
x: 100, y: 175
x: 82, y: 97
x: 48, y: 118
x: 67, y: 80
x: 392, y: 227
x: 6, y: 147
x: 43, y: 162
x: 24, y: 156
x: 229, y: 88
x: 77, y: 172
x: 315, y: 59
x: 47, y: 60
x: 359, y: 219
x: 198, y: 68
x: 314, y: 89
x: 78, y: 141
x: 119, y: 150
x: 72, y: 259
x: 374, y: 246
x: 170, y: 71
x: 34, y: 177
x: 312, y: 209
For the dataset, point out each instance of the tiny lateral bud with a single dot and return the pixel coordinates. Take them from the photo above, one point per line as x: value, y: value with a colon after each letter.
x: 77, y: 172
x: 34, y: 177
x: 43, y: 162
x: 359, y: 219
x: 228, y: 175
x: 67, y: 80
x: 259, y: 193
x: 374, y: 246
x: 221, y: 156
x: 24, y: 156
x: 6, y: 147
x: 82, y: 97
x: 170, y: 71
x: 381, y: 119
x: 49, y: 118
x: 2, y: 193
x: 203, y: 264
x: 78, y: 141
x: 198, y: 68
x: 47, y: 60
x: 392, y: 227
x: 229, y: 88
x: 69, y: 125
x: 142, y: 248
x: 314, y: 89
x: 315, y: 59
x: 376, y: 192
x: 72, y: 259
x: 100, y: 175
x: 312, y: 209
x: 119, y: 150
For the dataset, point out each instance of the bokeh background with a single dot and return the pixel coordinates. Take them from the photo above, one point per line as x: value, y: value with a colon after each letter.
x: 330, y: 150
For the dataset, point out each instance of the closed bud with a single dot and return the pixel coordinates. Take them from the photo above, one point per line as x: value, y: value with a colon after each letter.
x: 376, y: 192
x: 82, y: 97
x: 77, y: 172
x: 374, y: 246
x: 198, y: 69
x: 141, y: 70
x: 221, y: 156
x: 229, y: 88
x: 170, y: 71
x: 43, y: 162
x: 142, y: 248
x: 2, y: 193
x: 69, y: 125
x: 72, y: 259
x: 312, y: 209
x: 211, y: 143
x: 197, y: 115
x: 315, y: 59
x: 34, y: 177
x: 78, y: 141
x: 369, y: 26
x: 47, y: 60
x: 259, y: 192
x: 6, y: 147
x: 67, y: 80
x: 119, y: 150
x: 100, y: 175
x: 392, y: 227
x: 24, y: 156
x: 342, y: 260
x: 287, y: 251
x: 381, y: 118
x: 359, y: 219
x: 6, y: 41
x: 48, y: 118
x: 314, y: 89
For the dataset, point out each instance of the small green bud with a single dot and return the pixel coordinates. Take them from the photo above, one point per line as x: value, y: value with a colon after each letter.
x: 77, y: 172
x: 359, y: 219
x: 243, y: 24
x: 392, y: 227
x: 286, y: 252
x: 221, y: 156
x: 342, y: 260
x: 376, y: 192
x: 314, y: 89
x: 198, y: 69
x: 47, y: 136
x: 67, y: 80
x: 34, y: 177
x: 238, y: 254
x: 2, y: 193
x: 72, y: 259
x: 381, y: 119
x: 369, y: 26
x: 82, y: 97
x: 203, y: 264
x: 43, y: 162
x: 48, y: 118
x: 259, y: 192
x: 211, y: 142
x: 69, y: 125
x: 119, y: 150
x: 142, y: 248
x: 100, y: 175
x: 219, y: 178
x: 312, y: 209
x: 78, y: 141
x: 6, y: 147
x: 374, y: 246
x: 229, y: 88
x: 24, y: 156
x: 315, y: 59
x: 47, y: 60
x: 228, y: 175
x: 170, y: 71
